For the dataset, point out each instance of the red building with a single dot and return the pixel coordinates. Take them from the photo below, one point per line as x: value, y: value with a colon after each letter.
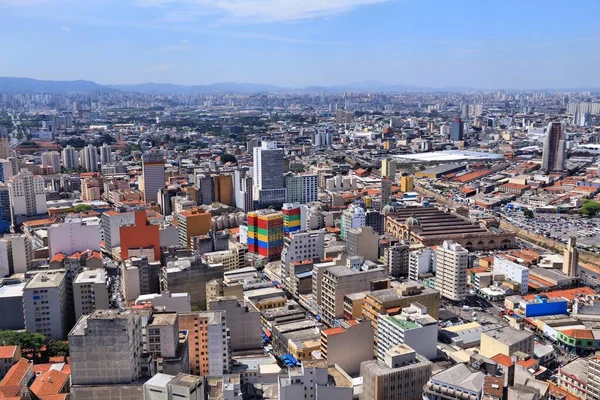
x: 142, y: 235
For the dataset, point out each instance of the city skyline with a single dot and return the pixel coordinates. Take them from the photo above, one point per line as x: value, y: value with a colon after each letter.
x: 304, y: 43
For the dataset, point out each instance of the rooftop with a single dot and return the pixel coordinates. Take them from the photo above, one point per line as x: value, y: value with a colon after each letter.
x: 46, y: 280
x: 462, y: 377
x: 508, y: 335
x: 91, y: 276
x: 15, y: 290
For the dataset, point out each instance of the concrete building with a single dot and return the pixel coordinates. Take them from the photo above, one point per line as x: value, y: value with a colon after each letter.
x: 89, y: 158
x: 388, y: 168
x: 513, y: 271
x: 456, y: 382
x: 141, y: 235
x: 27, y: 195
x: 243, y: 321
x: 45, y: 304
x: 420, y: 262
x: 105, y: 155
x: 554, y: 156
x: 11, y: 305
x: 339, y: 281
x: 5, y: 151
x: 353, y: 217
x: 413, y: 327
x: 315, y: 380
x: 407, y: 184
x: 209, y: 342
x: 336, y: 342
x: 230, y: 259
x: 401, y: 375
x: 269, y: 186
x: 243, y: 191
x: 168, y: 346
x: 73, y: 237
x: 190, y: 275
x: 571, y: 258
x: 5, y: 215
x: 396, y: 259
x: 174, y: 387
x: 140, y: 276
x: 112, y: 221
x: 17, y: 250
x: 506, y: 341
x: 90, y: 292
x: 363, y: 242
x: 451, y: 271
x: 593, y: 379
x: 300, y: 246
x: 190, y: 223
x: 51, y: 159
x: 153, y: 175
x: 70, y: 158
x: 166, y: 301
x: 301, y: 188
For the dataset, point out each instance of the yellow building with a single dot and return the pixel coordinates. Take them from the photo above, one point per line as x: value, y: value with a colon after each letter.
x: 302, y: 350
x: 190, y: 223
x: 223, y: 189
x: 388, y: 168
x: 407, y: 184
x: 506, y: 341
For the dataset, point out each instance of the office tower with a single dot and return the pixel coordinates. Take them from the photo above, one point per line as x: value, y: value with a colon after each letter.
x: 445, y: 130
x: 243, y: 191
x: 554, y: 156
x: 153, y: 175
x: 174, y: 387
x: 223, y: 189
x: 140, y: 276
x: 27, y: 195
x: 352, y: 334
x: 313, y: 380
x: 407, y: 184
x: 401, y: 375
x: 269, y: 186
x: 386, y: 191
x: 412, y: 327
x: 89, y: 158
x: 190, y: 275
x: 265, y: 233
x: 339, y: 281
x: 90, y: 189
x: 396, y: 258
x: 18, y: 251
x: 363, y: 242
x: 51, y: 159
x: 300, y: 246
x: 464, y: 111
x: 105, y: 154
x: 292, y: 218
x: 4, y: 143
x: 90, y: 292
x: 141, y: 235
x: 388, y: 168
x: 456, y: 130
x: 192, y: 223
x: 302, y: 188
x: 70, y: 158
x: 106, y: 355
x: 451, y: 270
x: 352, y: 217
x: 4, y: 207
x: 45, y: 304
x: 209, y: 342
x: 243, y: 321
x: 571, y: 258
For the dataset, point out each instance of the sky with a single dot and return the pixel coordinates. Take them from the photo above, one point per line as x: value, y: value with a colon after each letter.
x: 487, y: 44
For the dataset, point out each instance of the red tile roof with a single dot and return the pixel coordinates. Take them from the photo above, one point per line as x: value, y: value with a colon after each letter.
x: 503, y: 360
x: 16, y: 373
x: 7, y: 351
x: 49, y: 383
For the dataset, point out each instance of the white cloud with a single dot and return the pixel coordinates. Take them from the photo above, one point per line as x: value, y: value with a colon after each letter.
x: 260, y: 11
x: 65, y: 28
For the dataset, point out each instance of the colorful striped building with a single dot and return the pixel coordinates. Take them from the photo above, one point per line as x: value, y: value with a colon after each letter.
x: 292, y: 221
x: 265, y: 233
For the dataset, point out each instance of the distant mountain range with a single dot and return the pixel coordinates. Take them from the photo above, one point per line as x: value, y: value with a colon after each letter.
x: 27, y: 85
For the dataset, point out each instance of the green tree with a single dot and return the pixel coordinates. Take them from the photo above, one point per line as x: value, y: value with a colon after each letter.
x: 590, y: 208
x: 26, y: 340
x: 82, y: 208
x: 57, y: 348
x: 528, y: 213
x: 225, y: 158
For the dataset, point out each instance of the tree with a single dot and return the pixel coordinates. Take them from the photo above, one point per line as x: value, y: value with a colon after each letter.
x: 590, y: 208
x: 528, y: 213
x: 26, y: 340
x: 196, y: 309
x: 57, y: 348
x: 82, y: 208
x: 225, y: 158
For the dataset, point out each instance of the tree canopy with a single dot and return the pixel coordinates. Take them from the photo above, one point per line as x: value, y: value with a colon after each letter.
x: 82, y: 208
x: 26, y: 340
x: 590, y: 208
x: 225, y: 158
x: 57, y: 348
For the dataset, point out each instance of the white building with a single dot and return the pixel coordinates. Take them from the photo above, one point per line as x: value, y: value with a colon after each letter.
x: 27, y: 195
x: 18, y: 252
x: 513, y: 271
x: 299, y: 246
x: 105, y: 155
x: 338, y: 183
x: 302, y: 188
x: 90, y: 292
x: 70, y: 158
x: 311, y: 381
x: 451, y: 271
x: 73, y: 237
x: 420, y: 262
x: 176, y: 302
x: 45, y: 304
x: 353, y: 217
x: 153, y: 175
x: 51, y: 159
x: 112, y: 221
x: 169, y: 387
x: 89, y: 158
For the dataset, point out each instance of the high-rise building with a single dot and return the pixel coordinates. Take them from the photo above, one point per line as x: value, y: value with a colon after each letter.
x: 352, y: 217
x: 301, y: 188
x: 45, y: 304
x: 571, y: 258
x: 190, y: 223
x: 396, y: 258
x: 269, y: 188
x: 27, y: 195
x: 265, y: 233
x: 352, y: 334
x: 89, y: 158
x: 300, y: 246
x: 420, y: 262
x: 243, y: 321
x: 90, y: 189
x: 388, y: 168
x: 140, y: 276
x: 401, y: 375
x: 141, y: 235
x: 70, y: 158
x: 292, y: 218
x: 456, y: 130
x: 407, y: 183
x: 51, y: 159
x: 73, y: 237
x: 210, y: 342
x: 464, y: 111
x: 554, y: 156
x: 153, y: 175
x: 451, y: 270
x: 17, y: 250
x: 111, y: 227
x: 223, y: 189
x: 243, y: 191
x: 593, y: 379
x: 105, y: 154
x: 90, y: 292
x: 363, y: 242
x: 4, y: 207
x: 6, y: 169
x: 190, y: 275
x: 4, y: 143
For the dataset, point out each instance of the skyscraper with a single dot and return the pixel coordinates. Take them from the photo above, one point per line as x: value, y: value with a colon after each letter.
x: 571, y: 258
x: 269, y: 188
x: 51, y: 159
x: 386, y: 191
x: 153, y: 175
x: 554, y: 157
x: 69, y: 158
x: 105, y: 154
x: 243, y: 191
x: 456, y: 130
x: 89, y: 158
x: 451, y: 271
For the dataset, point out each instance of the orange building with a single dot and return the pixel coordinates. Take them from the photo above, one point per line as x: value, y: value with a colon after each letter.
x: 223, y: 189
x: 190, y: 223
x: 196, y: 324
x: 141, y: 235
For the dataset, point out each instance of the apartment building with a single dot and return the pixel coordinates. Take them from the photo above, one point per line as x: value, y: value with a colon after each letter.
x: 90, y: 292
x: 451, y: 270
x: 45, y: 304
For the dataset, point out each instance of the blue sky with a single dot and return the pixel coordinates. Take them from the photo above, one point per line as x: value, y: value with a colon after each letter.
x: 438, y: 43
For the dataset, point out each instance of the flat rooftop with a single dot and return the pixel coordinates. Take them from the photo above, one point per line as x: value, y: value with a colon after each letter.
x: 46, y: 280
x: 15, y: 290
x: 91, y: 276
